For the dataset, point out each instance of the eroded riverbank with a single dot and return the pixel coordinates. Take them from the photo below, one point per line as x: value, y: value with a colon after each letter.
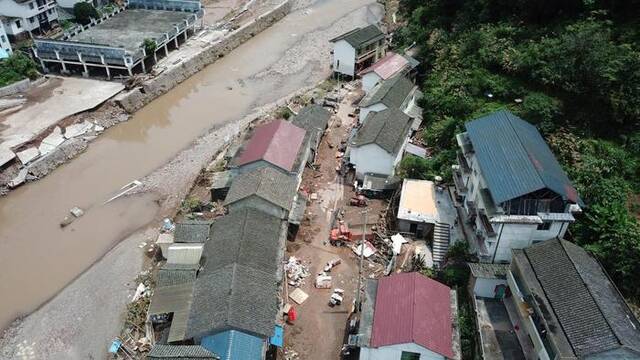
x: 292, y: 54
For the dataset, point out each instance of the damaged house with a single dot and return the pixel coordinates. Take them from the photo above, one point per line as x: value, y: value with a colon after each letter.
x: 514, y: 191
x: 315, y: 120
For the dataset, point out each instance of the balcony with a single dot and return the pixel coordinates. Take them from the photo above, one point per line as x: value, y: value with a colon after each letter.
x: 366, y: 55
x: 46, y: 5
x: 486, y: 224
x: 458, y: 181
x: 464, y: 165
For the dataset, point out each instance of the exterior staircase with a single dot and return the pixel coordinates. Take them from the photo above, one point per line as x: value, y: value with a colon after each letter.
x: 440, y: 243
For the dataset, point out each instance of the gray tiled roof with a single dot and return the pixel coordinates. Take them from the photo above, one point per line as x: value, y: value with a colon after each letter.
x: 234, y: 297
x: 591, y: 312
x: 248, y: 237
x: 170, y: 274
x: 314, y: 119
x: 265, y: 182
x: 514, y: 158
x: 387, y: 128
x: 192, y: 231
x: 360, y: 37
x: 392, y: 92
x: 181, y: 352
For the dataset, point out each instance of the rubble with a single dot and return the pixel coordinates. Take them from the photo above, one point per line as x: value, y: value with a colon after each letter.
x: 28, y: 155
x: 324, y: 281
x: 296, y: 271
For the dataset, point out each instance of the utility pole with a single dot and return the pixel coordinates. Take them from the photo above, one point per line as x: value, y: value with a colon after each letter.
x: 364, y: 232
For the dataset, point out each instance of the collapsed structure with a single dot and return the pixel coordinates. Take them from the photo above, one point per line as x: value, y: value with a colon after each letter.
x: 119, y: 42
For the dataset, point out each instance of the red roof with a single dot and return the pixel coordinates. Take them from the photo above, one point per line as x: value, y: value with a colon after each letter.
x: 411, y: 308
x: 387, y: 66
x: 277, y: 142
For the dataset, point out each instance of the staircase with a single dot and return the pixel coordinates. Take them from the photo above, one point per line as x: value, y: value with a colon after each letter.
x: 440, y: 243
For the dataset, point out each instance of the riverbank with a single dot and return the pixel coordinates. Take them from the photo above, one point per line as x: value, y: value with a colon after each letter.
x: 205, y: 48
x: 291, y: 55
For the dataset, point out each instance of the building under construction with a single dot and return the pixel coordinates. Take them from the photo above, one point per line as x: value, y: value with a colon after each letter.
x: 118, y: 43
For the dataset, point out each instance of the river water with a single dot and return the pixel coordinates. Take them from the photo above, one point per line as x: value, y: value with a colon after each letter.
x: 38, y: 258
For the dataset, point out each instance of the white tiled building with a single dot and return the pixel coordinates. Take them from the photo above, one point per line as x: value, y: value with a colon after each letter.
x: 514, y: 191
x: 4, y: 41
x: 21, y: 18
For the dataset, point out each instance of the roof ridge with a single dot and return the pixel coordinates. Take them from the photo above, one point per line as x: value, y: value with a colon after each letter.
x: 509, y: 118
x: 413, y: 307
x: 228, y: 298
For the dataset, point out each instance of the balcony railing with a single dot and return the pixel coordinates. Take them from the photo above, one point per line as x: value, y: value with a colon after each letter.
x: 46, y: 6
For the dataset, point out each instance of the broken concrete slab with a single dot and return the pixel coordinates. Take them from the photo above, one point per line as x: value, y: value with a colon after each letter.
x: 19, y: 179
x: 26, y: 156
x: 45, y: 148
x: 298, y: 296
x: 55, y: 138
x: 75, y: 130
x: 6, y: 155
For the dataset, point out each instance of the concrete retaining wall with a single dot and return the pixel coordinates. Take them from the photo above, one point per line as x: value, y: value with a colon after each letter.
x: 138, y: 97
x: 11, y: 89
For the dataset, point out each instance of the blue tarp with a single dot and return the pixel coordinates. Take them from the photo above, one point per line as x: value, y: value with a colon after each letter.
x: 278, y: 336
x: 234, y: 345
x: 3, y: 53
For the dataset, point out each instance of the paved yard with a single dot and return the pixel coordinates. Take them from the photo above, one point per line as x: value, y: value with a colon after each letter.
x: 499, y: 338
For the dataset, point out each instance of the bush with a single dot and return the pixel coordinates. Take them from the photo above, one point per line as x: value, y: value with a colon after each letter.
x: 149, y: 46
x: 17, y: 67
x: 84, y: 12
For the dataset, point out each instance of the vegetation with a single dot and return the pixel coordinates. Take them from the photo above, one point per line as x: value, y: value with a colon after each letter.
x: 17, y: 67
x: 283, y: 112
x: 571, y: 67
x: 150, y: 46
x: 84, y: 12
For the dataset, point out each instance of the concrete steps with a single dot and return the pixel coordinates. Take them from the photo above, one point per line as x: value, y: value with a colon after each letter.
x: 441, y: 238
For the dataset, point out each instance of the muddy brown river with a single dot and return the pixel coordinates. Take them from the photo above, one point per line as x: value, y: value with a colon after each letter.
x: 38, y: 258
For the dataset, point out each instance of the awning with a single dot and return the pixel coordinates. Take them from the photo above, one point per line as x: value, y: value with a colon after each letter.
x: 416, y: 150
x: 278, y: 337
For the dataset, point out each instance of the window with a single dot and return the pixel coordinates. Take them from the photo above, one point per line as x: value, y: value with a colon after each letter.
x: 3, y: 38
x: 409, y: 356
x: 545, y: 225
x: 18, y: 24
x: 31, y: 6
x: 31, y: 20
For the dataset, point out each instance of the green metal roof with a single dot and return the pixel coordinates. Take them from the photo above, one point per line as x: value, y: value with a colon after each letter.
x: 392, y: 92
x: 514, y: 158
x: 360, y: 37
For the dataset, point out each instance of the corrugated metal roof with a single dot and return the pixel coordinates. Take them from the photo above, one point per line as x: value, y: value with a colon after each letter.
x: 387, y: 128
x: 388, y: 66
x: 514, y: 158
x: 360, y: 37
x: 233, y: 344
x: 411, y: 308
x: 187, y: 254
x: 277, y: 142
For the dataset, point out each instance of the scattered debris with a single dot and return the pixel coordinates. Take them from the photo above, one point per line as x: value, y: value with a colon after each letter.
x: 296, y: 271
x: 19, y: 179
x: 331, y: 264
x: 369, y: 249
x: 167, y: 226
x: 324, y: 281
x: 397, y: 241
x: 75, y: 130
x: 126, y: 189
x: 26, y: 156
x: 141, y: 290
x: 76, y: 211
x: 298, y: 296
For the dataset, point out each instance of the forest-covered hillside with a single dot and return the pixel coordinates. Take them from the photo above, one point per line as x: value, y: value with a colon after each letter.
x: 572, y: 67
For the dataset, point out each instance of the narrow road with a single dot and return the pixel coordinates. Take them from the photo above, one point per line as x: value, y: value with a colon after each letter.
x: 38, y: 258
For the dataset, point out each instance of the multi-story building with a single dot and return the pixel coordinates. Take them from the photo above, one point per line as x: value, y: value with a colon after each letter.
x: 513, y: 189
x: 4, y: 43
x: 358, y: 49
x: 568, y: 306
x: 22, y: 18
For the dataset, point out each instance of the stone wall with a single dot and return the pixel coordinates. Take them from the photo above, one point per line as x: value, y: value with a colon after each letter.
x: 138, y: 97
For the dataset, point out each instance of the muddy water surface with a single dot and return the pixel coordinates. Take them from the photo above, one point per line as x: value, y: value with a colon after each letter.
x: 38, y: 258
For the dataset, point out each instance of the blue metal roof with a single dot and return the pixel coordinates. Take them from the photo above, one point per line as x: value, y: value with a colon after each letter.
x: 234, y: 345
x: 514, y: 158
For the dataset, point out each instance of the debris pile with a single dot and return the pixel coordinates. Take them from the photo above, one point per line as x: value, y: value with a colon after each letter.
x: 290, y: 354
x: 296, y: 271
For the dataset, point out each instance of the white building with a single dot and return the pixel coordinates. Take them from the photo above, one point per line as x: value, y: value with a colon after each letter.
x: 68, y: 4
x: 408, y: 316
x: 4, y: 43
x: 379, y: 143
x: 357, y: 50
x: 398, y: 92
x: 513, y: 189
x: 24, y: 17
x: 385, y: 68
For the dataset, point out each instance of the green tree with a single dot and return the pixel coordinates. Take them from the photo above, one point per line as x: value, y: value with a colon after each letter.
x: 17, y: 67
x: 84, y: 12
